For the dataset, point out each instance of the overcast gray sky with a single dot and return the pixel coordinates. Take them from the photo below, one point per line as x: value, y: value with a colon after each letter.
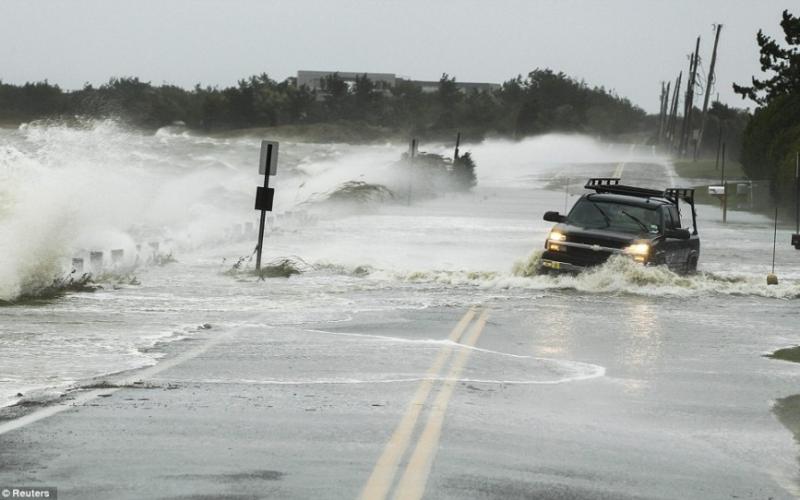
x: 625, y: 45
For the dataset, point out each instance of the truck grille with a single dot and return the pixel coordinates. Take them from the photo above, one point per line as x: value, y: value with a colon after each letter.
x: 594, y: 240
x: 578, y: 256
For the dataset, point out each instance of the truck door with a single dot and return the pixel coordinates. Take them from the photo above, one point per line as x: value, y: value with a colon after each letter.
x: 677, y: 251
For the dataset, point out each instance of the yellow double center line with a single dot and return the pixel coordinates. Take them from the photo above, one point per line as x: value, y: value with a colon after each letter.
x: 412, y: 483
x: 621, y: 166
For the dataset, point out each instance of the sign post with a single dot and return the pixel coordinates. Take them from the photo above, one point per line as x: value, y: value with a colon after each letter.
x: 267, y: 166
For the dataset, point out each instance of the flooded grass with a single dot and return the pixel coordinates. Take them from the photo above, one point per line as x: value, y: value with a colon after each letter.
x: 786, y: 354
x: 58, y: 288
x: 282, y: 267
x: 86, y: 283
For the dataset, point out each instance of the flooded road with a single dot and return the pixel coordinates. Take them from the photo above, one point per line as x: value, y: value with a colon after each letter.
x: 415, y: 328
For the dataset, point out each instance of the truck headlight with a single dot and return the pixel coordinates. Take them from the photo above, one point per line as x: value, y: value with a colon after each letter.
x: 639, y: 251
x: 556, y: 236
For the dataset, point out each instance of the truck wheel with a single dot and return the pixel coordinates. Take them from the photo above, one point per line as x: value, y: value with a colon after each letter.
x: 691, y: 264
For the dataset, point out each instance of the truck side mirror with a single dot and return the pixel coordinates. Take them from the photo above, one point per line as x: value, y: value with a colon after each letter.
x: 554, y: 217
x: 678, y: 234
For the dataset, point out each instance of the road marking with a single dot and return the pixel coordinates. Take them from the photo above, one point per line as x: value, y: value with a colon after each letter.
x: 415, y: 478
x: 83, y: 397
x: 385, y: 468
x: 621, y: 166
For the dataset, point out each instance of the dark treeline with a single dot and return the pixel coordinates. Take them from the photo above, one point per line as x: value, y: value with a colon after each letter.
x: 725, y: 124
x: 771, y: 140
x: 544, y: 101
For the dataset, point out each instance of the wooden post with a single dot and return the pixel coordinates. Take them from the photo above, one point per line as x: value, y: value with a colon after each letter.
x: 709, y: 83
x: 458, y: 142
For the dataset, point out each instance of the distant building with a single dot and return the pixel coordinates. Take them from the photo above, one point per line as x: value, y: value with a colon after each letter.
x: 384, y: 81
x: 313, y: 79
x: 433, y: 85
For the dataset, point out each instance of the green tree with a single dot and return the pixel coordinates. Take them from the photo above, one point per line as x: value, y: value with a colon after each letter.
x: 782, y: 62
x: 772, y: 137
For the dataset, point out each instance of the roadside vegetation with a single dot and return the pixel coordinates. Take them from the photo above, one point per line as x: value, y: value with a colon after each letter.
x: 709, y: 169
x: 543, y: 101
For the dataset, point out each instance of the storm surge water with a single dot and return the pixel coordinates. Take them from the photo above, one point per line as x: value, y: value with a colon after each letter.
x: 373, y: 233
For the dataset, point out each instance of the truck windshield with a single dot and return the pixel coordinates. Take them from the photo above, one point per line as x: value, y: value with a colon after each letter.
x: 614, y: 216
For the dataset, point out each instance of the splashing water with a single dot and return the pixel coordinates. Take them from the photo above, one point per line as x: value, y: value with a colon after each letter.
x: 66, y: 190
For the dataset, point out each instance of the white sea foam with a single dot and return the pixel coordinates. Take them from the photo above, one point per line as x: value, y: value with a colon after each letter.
x: 620, y: 275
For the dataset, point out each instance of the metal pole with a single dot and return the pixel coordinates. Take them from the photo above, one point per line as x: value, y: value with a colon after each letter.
x: 263, y: 212
x: 411, y: 169
x: 775, y: 239
x: 797, y: 193
x: 724, y: 189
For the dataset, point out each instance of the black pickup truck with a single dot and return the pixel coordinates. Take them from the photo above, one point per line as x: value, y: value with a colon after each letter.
x: 644, y: 224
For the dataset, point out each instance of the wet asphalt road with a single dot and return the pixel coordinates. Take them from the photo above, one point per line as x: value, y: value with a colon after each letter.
x: 307, y: 412
x: 573, y: 392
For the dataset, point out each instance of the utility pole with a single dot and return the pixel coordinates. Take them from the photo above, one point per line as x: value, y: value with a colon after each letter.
x: 686, y: 101
x: 709, y: 83
x: 673, y: 115
x: 689, y: 104
x: 662, y: 112
x: 666, y: 112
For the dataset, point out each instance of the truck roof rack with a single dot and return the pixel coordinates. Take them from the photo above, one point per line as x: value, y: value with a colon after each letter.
x: 673, y: 195
x: 612, y: 185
